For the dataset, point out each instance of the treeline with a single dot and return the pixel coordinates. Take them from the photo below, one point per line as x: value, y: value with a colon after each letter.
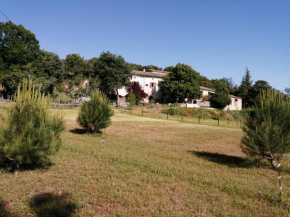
x: 21, y: 57
x: 247, y: 90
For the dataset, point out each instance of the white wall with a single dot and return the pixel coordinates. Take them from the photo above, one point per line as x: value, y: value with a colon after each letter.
x: 236, y: 104
x: 144, y: 83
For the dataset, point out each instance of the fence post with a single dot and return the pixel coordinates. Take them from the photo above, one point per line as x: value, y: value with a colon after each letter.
x: 199, y: 119
x: 219, y: 120
x: 238, y: 121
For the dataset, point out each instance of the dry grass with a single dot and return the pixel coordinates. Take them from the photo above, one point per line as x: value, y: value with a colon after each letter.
x: 148, y: 167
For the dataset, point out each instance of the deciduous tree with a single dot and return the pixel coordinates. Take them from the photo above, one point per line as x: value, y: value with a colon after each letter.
x: 75, y: 67
x: 19, y: 51
x: 113, y: 72
x: 137, y: 91
x: 182, y: 82
x: 221, y: 97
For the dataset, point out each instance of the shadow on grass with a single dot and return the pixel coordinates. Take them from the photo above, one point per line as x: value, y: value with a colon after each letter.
x: 4, y: 209
x: 85, y: 131
x: 9, y: 167
x: 50, y: 204
x: 231, y: 161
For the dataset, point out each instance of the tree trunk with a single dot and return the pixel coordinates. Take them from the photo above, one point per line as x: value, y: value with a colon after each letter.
x: 15, y: 166
x: 117, y: 97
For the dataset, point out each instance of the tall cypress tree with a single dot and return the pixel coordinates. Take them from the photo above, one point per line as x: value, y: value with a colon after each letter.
x: 244, y: 88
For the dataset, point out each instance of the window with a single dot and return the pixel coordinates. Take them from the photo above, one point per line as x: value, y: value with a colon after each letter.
x: 134, y: 83
x: 152, y: 85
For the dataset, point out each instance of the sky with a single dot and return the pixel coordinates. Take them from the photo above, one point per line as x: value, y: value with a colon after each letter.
x: 217, y: 38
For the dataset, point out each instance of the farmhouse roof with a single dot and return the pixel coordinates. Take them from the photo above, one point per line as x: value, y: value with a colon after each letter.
x: 206, y: 88
x: 151, y: 73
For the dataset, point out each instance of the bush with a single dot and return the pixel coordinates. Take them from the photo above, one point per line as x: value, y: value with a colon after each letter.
x: 131, y: 99
x: 174, y: 111
x: 96, y: 113
x: 28, y: 135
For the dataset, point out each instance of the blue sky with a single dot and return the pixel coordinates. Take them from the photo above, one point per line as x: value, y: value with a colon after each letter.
x: 218, y: 38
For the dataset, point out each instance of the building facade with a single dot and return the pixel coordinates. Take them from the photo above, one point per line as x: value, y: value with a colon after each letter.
x: 149, y: 82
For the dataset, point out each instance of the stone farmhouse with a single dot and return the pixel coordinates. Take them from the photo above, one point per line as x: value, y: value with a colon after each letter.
x: 149, y: 82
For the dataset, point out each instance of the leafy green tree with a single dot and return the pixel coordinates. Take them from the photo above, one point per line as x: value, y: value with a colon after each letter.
x: 18, y: 46
x: 50, y: 66
x: 169, y: 68
x: 113, y: 72
x: 75, y: 67
x: 134, y: 66
x: 182, y: 82
x: 267, y: 129
x: 10, y: 83
x: 221, y: 97
x: 205, y: 82
x: 230, y: 84
x: 255, y: 91
x: 151, y: 67
x: 19, y: 51
x: 96, y: 113
x: 244, y: 89
x: 89, y: 72
x: 28, y: 134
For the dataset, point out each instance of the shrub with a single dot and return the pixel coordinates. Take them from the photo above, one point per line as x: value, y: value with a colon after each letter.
x: 229, y: 117
x: 131, y: 99
x: 28, y: 135
x: 96, y: 113
x: 174, y: 111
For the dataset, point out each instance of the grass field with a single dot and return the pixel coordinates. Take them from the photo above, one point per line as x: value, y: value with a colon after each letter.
x: 147, y: 167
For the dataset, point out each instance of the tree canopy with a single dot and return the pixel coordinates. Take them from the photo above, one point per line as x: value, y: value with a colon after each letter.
x: 113, y: 72
x: 182, y: 82
x: 74, y: 66
x: 19, y: 51
x: 267, y: 130
x: 255, y: 90
x: 244, y: 89
x: 221, y: 97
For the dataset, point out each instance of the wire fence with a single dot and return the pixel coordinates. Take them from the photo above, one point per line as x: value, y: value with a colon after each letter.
x: 237, y: 122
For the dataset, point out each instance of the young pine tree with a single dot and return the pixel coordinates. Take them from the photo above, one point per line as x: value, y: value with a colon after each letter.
x: 28, y: 134
x: 267, y: 129
x: 96, y: 113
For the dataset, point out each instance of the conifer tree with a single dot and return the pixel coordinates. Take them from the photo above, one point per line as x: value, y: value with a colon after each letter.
x: 267, y: 129
x: 244, y: 88
x: 28, y: 134
x: 96, y: 113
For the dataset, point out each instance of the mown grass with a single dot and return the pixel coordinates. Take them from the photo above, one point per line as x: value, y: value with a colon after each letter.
x: 147, y: 167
